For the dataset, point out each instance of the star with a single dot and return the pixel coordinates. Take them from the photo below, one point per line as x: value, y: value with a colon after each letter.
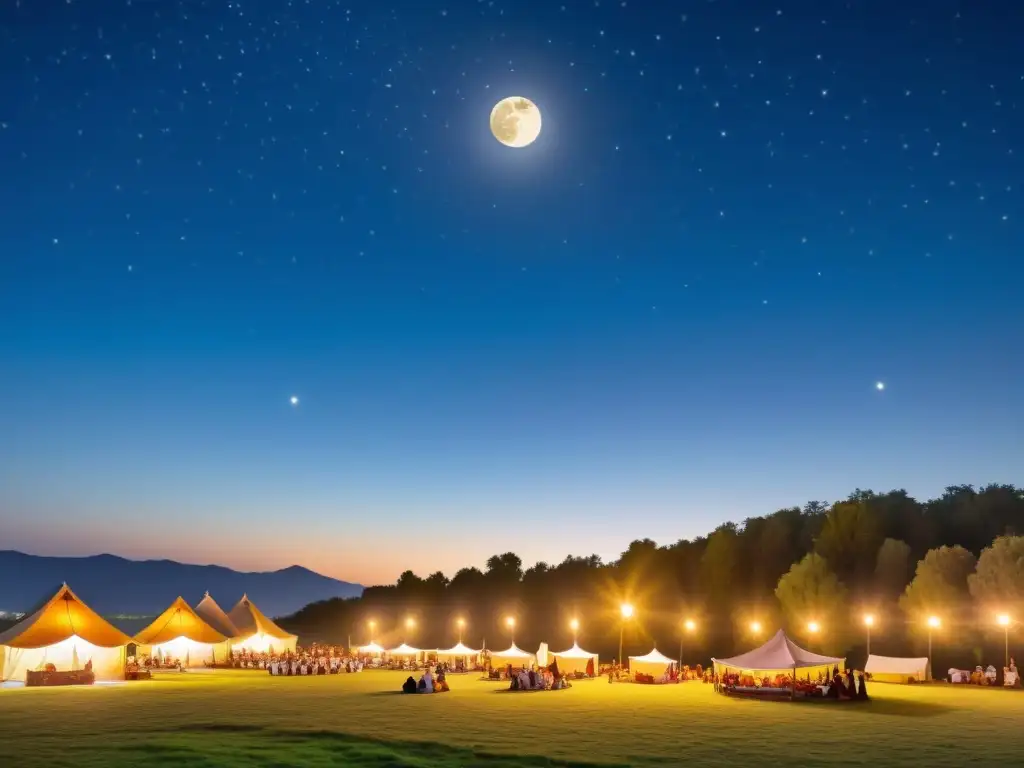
x: 294, y: 400
x: 880, y: 385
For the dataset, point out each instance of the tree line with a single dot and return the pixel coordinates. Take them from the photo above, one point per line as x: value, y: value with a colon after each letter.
x: 823, y: 567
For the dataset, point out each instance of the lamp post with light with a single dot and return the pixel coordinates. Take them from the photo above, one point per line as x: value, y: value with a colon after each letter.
x: 1004, y: 621
x: 933, y: 623
x: 462, y: 626
x: 373, y: 626
x: 755, y: 628
x: 510, y: 622
x: 688, y: 626
x: 869, y: 622
x: 627, y: 613
x: 575, y: 626
x: 410, y: 624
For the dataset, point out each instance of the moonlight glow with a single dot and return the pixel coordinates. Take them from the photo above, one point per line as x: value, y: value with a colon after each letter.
x: 515, y: 122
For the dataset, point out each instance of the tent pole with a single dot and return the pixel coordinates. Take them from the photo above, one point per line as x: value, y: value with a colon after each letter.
x: 792, y: 685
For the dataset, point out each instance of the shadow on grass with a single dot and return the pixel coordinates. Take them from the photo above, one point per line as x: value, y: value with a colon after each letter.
x: 229, y: 746
x: 883, y: 707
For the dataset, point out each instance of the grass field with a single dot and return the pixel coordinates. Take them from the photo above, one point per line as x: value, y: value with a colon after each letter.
x: 251, y: 719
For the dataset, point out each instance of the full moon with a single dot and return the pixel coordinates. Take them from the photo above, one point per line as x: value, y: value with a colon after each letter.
x: 515, y: 122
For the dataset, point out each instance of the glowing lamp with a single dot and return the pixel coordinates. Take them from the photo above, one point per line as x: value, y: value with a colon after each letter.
x: 627, y: 610
x: 755, y: 627
x: 690, y: 626
x: 869, y: 620
x: 813, y: 627
x: 933, y: 622
x: 1003, y: 620
x: 574, y: 624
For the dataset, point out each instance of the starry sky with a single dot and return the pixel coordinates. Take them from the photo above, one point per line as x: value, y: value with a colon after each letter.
x: 670, y: 311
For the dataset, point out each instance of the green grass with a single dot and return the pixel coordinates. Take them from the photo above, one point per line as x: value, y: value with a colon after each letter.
x: 251, y: 719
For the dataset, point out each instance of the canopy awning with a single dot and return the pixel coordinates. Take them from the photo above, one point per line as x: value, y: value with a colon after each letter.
x: 371, y: 648
x: 179, y: 620
x: 654, y: 657
x: 61, y: 617
x: 458, y: 650
x: 575, y: 653
x: 893, y: 665
x: 777, y: 654
x: 512, y: 652
x: 405, y: 650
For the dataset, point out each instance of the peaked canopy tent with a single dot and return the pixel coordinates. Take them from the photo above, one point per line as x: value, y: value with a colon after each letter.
x: 575, y: 660
x: 780, y: 654
x: 513, y: 655
x: 458, y: 651
x: 891, y: 669
x: 214, y: 615
x: 405, y: 650
x: 64, y: 632
x: 181, y: 633
x: 654, y: 664
x: 370, y: 649
x: 257, y: 632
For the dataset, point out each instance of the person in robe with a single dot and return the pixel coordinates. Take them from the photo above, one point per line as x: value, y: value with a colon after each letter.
x: 851, y: 684
x: 428, y: 681
x: 862, y: 691
x: 409, y: 686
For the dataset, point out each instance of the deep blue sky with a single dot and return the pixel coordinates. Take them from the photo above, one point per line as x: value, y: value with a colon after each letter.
x: 670, y: 311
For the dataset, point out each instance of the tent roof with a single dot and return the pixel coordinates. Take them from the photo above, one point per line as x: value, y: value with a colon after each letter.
x: 250, y: 620
x: 457, y: 650
x: 512, y: 652
x: 370, y: 648
x: 895, y: 665
x: 654, y: 657
x: 62, y: 616
x: 778, y: 653
x: 179, y: 621
x: 575, y: 653
x: 214, y: 615
x: 405, y: 650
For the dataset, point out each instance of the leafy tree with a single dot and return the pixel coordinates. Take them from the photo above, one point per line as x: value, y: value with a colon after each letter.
x: 811, y: 592
x: 893, y: 568
x: 850, y: 538
x: 719, y: 563
x: 940, y: 585
x: 998, y: 581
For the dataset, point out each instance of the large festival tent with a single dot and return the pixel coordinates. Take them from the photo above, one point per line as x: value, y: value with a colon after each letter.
x: 654, y: 664
x: 214, y: 615
x: 181, y: 633
x: 370, y: 649
x: 458, y: 651
x: 64, y: 632
x: 576, y: 660
x: 406, y: 650
x: 513, y: 655
x: 780, y: 654
x: 256, y: 631
x: 890, y: 669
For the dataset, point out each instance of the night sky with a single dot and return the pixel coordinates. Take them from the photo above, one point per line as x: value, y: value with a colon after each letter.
x: 673, y: 309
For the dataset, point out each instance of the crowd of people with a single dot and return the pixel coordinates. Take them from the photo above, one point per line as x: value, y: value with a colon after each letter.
x: 987, y: 676
x: 846, y: 686
x: 428, y: 683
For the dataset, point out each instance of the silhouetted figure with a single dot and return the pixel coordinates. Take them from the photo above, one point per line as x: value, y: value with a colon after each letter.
x: 409, y: 686
x: 862, y: 691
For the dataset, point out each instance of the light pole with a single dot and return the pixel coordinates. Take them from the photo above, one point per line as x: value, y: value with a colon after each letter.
x: 627, y: 613
x: 410, y: 624
x: 575, y: 626
x: 1004, y: 622
x: 373, y: 625
x: 933, y: 623
x: 688, y: 626
x: 869, y: 621
x: 510, y: 622
x: 462, y: 626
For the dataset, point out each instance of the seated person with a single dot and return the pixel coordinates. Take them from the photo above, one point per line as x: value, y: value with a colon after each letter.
x: 409, y: 686
x: 427, y: 682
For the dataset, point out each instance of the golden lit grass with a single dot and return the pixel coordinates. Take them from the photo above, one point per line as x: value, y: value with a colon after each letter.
x: 252, y: 719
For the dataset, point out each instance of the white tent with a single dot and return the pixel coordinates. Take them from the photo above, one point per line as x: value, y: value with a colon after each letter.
x: 891, y: 669
x: 370, y: 649
x: 405, y: 650
x: 458, y: 651
x: 780, y: 654
x: 513, y: 655
x: 575, y: 660
x: 654, y: 664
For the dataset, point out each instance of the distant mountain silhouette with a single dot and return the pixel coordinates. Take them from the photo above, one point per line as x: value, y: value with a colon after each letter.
x: 115, y: 586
